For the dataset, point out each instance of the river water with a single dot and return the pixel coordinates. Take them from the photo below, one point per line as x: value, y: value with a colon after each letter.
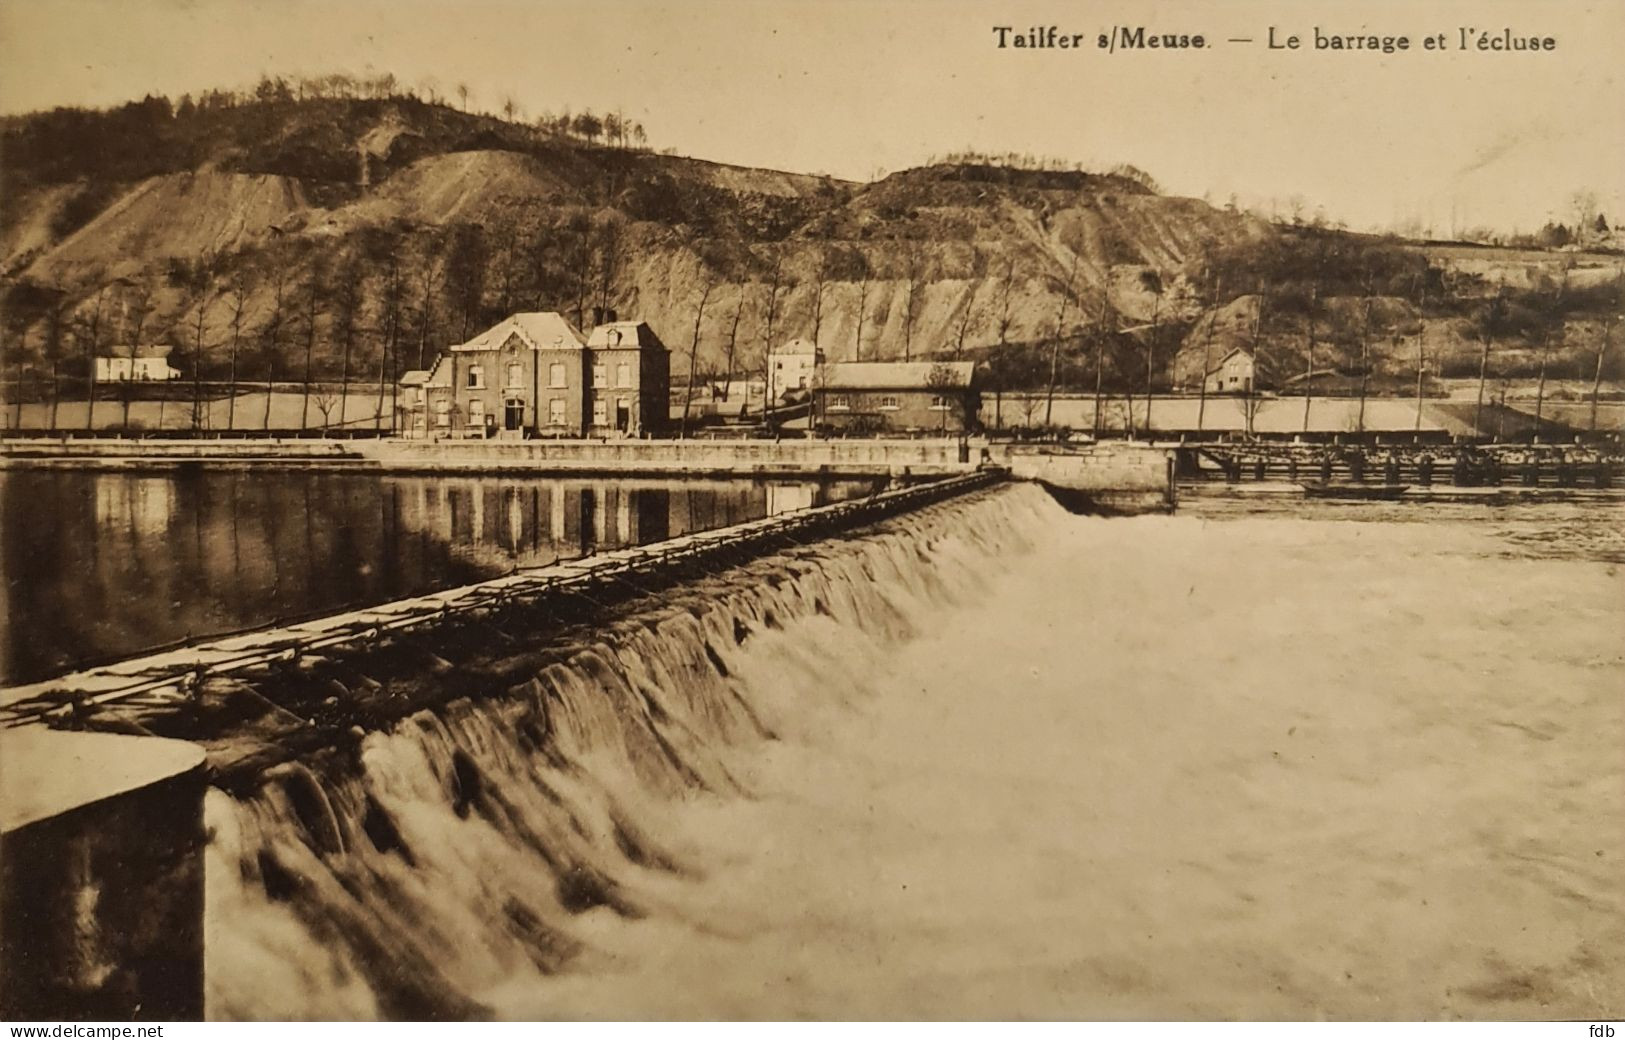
x: 104, y: 565
x: 993, y: 760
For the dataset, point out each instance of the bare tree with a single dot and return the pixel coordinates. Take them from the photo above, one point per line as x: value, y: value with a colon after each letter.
x: 90, y: 331
x: 863, y: 310
x: 1003, y: 325
x: 915, y: 269
x: 428, y: 283
x: 775, y: 274
x: 198, y: 328
x: 351, y: 294
x: 708, y: 283
x: 315, y: 298
x: 1602, y: 344
x: 138, y: 307
x: 57, y: 320
x: 580, y: 229
x: 971, y: 316
x: 507, y: 267
x: 1492, y: 317
x: 394, y: 296
x: 326, y: 401
x: 1068, y: 295
x: 1152, y: 281
x: 271, y: 334
x: 611, y: 239
x: 239, y: 304
x: 821, y: 276
x: 1102, y: 334
x: 465, y: 268
x: 1546, y: 350
x: 733, y: 339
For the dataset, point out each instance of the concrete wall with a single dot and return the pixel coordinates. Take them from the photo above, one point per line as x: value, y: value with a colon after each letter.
x: 101, y: 877
x: 1110, y: 477
x: 692, y: 456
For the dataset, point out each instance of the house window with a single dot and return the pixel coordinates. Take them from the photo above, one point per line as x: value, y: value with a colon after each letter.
x: 442, y: 413
x: 939, y: 403
x: 476, y: 413
x: 840, y: 401
x: 476, y: 377
x: 623, y: 376
x: 600, y: 412
x: 600, y: 375
x: 516, y: 374
x: 888, y: 403
x: 555, y: 410
x: 556, y: 376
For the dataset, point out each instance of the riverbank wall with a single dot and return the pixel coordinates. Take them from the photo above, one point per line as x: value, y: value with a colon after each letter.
x: 647, y: 458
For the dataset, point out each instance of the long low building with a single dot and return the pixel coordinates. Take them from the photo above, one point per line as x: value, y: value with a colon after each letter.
x: 897, y: 397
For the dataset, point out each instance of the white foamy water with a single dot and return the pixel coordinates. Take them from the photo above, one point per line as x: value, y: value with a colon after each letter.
x: 996, y: 762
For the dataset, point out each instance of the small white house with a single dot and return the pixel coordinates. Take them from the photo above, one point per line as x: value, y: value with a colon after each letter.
x: 126, y: 363
x: 1234, y: 374
x: 793, y: 368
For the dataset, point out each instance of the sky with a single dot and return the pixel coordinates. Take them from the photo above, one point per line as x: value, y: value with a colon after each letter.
x: 1454, y: 139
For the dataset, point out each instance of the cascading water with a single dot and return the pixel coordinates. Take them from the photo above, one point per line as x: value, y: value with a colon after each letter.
x: 477, y: 850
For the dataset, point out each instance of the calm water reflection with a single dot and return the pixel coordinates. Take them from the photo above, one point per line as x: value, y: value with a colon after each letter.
x: 98, y: 565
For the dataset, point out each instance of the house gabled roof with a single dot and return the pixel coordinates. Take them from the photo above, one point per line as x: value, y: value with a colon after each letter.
x: 546, y: 330
x: 416, y: 377
x: 438, y: 375
x: 1228, y: 355
x: 624, y: 335
x: 898, y: 375
x: 799, y: 345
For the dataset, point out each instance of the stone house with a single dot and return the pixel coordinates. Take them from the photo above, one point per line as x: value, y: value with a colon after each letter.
x: 534, y: 375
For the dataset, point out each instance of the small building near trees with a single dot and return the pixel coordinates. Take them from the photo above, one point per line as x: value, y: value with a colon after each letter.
x: 128, y: 363
x: 792, y: 369
x: 1236, y: 373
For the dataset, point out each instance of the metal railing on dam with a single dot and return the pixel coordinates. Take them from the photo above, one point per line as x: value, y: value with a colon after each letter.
x: 178, y: 673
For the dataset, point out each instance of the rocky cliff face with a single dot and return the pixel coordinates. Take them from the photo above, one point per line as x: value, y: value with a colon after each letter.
x: 443, y: 222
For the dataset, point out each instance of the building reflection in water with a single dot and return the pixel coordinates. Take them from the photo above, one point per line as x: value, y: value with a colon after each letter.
x: 100, y: 565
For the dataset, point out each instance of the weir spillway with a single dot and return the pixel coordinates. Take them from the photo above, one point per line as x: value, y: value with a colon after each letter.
x: 472, y: 771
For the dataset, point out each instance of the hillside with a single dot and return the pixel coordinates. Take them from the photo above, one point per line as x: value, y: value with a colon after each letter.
x: 396, y: 226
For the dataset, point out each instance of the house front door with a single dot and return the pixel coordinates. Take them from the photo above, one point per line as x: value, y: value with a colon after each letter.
x: 623, y: 416
x: 513, y: 414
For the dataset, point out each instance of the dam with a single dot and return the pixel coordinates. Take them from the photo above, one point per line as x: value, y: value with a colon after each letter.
x: 965, y: 755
